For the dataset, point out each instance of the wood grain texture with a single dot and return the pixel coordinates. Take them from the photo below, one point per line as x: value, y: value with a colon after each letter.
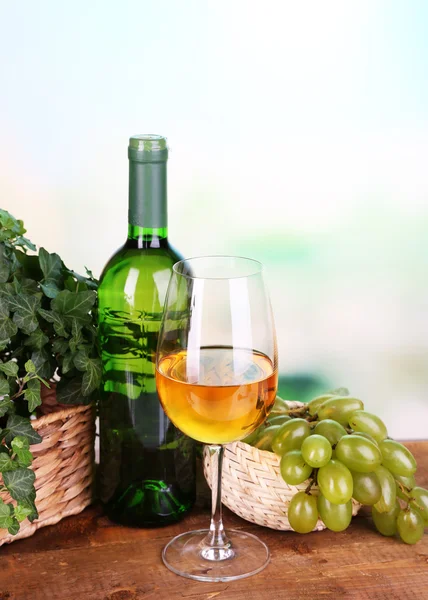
x: 87, y: 557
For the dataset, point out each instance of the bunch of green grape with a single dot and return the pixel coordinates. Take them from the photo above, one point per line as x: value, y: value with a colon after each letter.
x: 332, y: 443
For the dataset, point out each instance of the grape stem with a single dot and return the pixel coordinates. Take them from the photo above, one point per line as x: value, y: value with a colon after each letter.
x: 296, y: 411
x: 312, y: 482
x: 408, y: 493
x: 412, y: 502
x: 308, y: 489
x: 313, y: 420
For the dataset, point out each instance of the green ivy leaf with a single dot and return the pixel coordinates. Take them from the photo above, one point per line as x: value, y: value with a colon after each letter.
x: 77, y: 338
x: 29, y: 503
x: 7, y: 327
x: 20, y: 443
x: 6, y: 463
x: 20, y: 447
x: 50, y: 289
x: 11, y: 288
x: 4, y: 386
x: 24, y: 458
x: 4, y: 266
x: 70, y: 284
x: 36, y: 340
x: 75, y: 343
x: 51, y: 266
x: 25, y: 243
x: 22, y: 511
x: 13, y: 527
x: 92, y: 376
x: 69, y: 391
x: 25, y: 308
x: 60, y: 346
x: 9, y: 368
x: 29, y: 286
x: 42, y: 361
x: 75, y: 305
x: 30, y: 367
x: 32, y: 394
x: 59, y: 323
x: 5, y: 235
x: 67, y: 363
x: 76, y: 327
x: 6, y: 519
x: 19, y: 482
x: 90, y: 281
x: 81, y: 360
x: 7, y: 221
x: 6, y: 404
x: 17, y: 425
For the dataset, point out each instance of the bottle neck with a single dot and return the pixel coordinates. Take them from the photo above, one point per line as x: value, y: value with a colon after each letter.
x: 147, y: 200
x: 147, y: 237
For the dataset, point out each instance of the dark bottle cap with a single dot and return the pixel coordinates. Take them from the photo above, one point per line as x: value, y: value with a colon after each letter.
x: 147, y: 148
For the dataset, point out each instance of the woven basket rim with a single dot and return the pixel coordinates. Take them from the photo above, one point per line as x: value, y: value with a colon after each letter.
x: 60, y: 414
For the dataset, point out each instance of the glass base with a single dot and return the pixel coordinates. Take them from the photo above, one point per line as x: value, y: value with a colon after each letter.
x: 188, y: 555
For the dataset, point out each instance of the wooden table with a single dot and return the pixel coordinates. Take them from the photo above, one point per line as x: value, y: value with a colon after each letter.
x: 87, y: 557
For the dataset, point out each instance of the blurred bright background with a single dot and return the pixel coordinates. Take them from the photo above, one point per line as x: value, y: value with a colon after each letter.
x: 299, y: 136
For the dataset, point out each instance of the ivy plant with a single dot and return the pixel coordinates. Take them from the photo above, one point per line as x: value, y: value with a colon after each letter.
x: 47, y: 330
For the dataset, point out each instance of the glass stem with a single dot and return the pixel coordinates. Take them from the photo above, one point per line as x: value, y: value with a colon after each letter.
x: 216, y: 544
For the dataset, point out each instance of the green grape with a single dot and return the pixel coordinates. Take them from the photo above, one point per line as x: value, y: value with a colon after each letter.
x: 335, y: 482
x: 332, y: 430
x: 396, y: 458
x: 410, y: 526
x: 358, y: 454
x: 251, y: 437
x: 408, y: 482
x: 279, y: 407
x: 303, y: 512
x: 314, y: 404
x: 290, y: 436
x: 366, y: 436
x: 277, y: 420
x: 365, y: 422
x: 294, y: 469
x: 367, y: 488
x: 386, y: 522
x: 389, y: 494
x: 335, y: 517
x: 339, y: 409
x: 420, y: 496
x: 264, y: 441
x: 316, y: 450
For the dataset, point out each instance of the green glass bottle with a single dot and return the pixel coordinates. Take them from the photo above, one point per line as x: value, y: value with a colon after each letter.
x: 147, y: 467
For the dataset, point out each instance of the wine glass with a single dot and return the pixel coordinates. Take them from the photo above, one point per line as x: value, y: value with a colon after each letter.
x: 217, y: 377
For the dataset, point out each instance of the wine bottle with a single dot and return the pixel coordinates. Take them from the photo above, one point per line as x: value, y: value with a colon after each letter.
x: 147, y: 466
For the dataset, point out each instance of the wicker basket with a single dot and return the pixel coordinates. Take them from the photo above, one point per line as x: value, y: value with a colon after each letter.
x: 64, y: 467
x: 253, y: 488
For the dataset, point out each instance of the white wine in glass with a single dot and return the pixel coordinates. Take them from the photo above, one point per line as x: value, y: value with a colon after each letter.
x: 217, y: 380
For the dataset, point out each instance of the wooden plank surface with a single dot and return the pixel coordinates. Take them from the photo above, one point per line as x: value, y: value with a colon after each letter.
x: 87, y: 557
